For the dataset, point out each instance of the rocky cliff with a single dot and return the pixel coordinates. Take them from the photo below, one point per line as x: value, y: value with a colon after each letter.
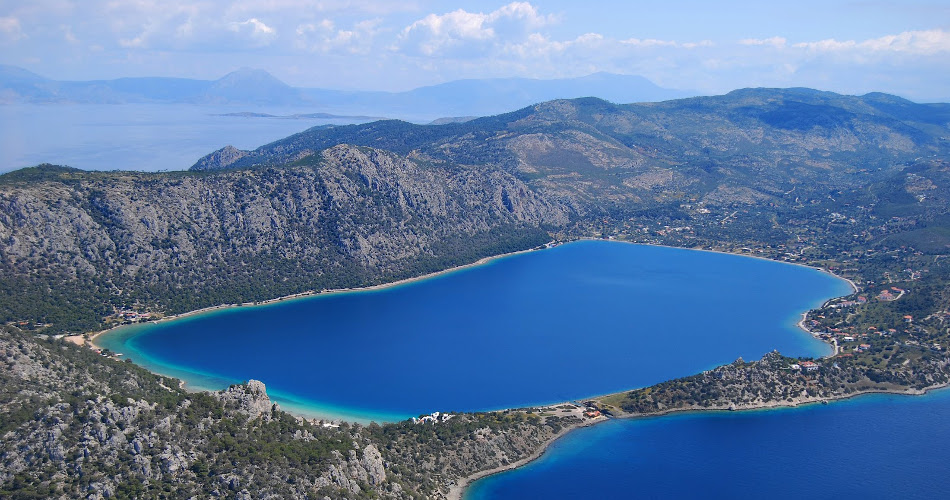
x: 345, y: 216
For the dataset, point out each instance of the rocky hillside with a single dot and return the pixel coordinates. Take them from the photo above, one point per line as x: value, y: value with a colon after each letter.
x: 342, y: 217
x: 76, y: 425
x: 776, y: 380
x: 748, y: 147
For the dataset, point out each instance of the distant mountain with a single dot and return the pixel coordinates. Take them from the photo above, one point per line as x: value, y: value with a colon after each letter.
x: 744, y: 147
x: 14, y: 74
x: 258, y: 87
x: 244, y: 86
x: 18, y: 84
x: 493, y: 96
x: 506, y: 94
x: 252, y: 86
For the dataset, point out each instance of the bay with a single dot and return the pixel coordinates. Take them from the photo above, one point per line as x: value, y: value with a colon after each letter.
x: 580, y: 319
x: 877, y: 446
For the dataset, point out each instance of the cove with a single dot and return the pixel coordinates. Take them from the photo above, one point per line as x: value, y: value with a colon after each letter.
x: 576, y: 320
x: 875, y: 446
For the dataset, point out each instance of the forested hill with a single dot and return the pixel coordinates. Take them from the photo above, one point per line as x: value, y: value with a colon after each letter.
x: 750, y: 144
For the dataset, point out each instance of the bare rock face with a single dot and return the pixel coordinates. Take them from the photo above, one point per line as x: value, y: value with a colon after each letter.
x: 220, y: 159
x: 327, y: 221
x: 250, y: 398
x: 372, y: 463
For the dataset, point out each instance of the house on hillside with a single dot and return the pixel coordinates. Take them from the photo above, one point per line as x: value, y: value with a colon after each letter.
x: 809, y: 366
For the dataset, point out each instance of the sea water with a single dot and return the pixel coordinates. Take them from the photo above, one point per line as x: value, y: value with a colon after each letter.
x: 580, y: 319
x: 136, y: 136
x: 878, y: 446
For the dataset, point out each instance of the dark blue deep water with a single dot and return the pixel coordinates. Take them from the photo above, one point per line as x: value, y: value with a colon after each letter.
x: 878, y: 446
x: 577, y: 320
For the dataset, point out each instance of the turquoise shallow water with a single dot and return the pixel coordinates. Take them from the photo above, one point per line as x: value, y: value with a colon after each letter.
x: 581, y: 319
x: 879, y: 446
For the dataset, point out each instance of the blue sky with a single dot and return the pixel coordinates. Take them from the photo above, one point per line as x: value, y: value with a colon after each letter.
x: 708, y: 46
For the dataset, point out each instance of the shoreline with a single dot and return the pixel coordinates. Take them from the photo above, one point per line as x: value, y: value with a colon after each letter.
x: 92, y: 336
x: 457, y: 491
x: 854, y: 287
x: 804, y: 317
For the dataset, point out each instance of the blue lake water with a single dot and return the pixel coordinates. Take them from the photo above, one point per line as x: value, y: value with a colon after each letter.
x: 135, y: 136
x: 879, y: 446
x: 581, y: 319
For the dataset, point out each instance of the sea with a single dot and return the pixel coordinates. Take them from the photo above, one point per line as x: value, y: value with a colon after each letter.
x: 870, y: 447
x: 146, y: 137
x: 569, y: 322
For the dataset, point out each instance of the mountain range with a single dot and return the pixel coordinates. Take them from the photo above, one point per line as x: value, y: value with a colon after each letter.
x: 750, y: 145
x: 254, y: 87
x: 339, y: 206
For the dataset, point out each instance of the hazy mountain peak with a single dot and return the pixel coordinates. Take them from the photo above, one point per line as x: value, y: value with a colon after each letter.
x: 252, y: 85
x: 15, y: 73
x: 246, y: 76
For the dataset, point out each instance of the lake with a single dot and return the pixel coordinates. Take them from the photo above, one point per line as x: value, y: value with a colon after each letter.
x: 577, y: 320
x: 144, y: 137
x: 877, y: 446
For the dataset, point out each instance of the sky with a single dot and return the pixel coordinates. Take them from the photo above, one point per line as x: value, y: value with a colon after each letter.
x: 853, y: 47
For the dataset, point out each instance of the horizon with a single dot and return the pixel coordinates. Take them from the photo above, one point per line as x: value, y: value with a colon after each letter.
x: 841, y: 46
x: 687, y: 93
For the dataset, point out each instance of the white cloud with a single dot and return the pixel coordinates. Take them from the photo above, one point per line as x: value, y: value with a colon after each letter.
x: 303, y: 7
x: 652, y: 43
x: 776, y: 41
x: 69, y: 36
x: 537, y: 45
x: 325, y: 37
x: 254, y: 30
x: 10, y: 30
x: 436, y: 34
x: 154, y: 24
x: 928, y: 42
